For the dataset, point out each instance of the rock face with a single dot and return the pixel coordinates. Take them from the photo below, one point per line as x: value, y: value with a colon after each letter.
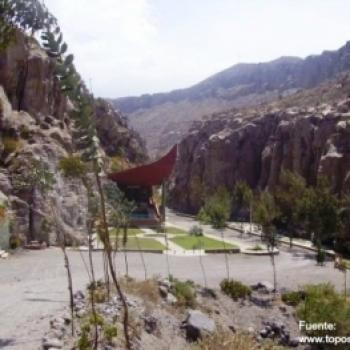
x: 163, y: 118
x: 197, y: 324
x: 231, y: 147
x: 35, y: 124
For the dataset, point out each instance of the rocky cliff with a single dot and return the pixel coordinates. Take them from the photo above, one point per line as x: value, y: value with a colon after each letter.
x: 162, y: 119
x: 35, y: 124
x: 296, y: 133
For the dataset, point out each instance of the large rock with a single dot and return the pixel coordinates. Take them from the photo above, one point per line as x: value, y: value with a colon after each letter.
x: 226, y: 148
x: 35, y: 118
x: 197, y: 324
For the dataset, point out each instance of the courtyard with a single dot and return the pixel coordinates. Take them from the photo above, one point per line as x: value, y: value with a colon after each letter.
x: 34, y: 287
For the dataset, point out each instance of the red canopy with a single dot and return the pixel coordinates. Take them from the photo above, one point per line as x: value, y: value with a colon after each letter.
x: 147, y: 175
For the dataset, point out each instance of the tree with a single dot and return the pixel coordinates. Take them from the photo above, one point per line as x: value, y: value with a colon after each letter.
x: 119, y: 217
x: 266, y: 213
x: 289, y: 196
x: 34, y: 178
x: 27, y: 15
x: 243, y: 198
x: 217, y: 207
x: 217, y: 210
x: 320, y: 208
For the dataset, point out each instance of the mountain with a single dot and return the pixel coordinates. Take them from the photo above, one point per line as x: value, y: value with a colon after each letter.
x: 35, y: 123
x: 307, y: 133
x: 163, y: 118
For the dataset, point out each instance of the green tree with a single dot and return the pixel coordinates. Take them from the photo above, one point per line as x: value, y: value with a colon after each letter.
x: 217, y: 208
x: 243, y: 198
x: 289, y: 196
x: 28, y: 15
x: 119, y: 217
x: 320, y: 208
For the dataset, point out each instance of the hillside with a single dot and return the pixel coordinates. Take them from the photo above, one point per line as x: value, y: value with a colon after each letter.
x: 306, y: 133
x: 163, y: 118
x: 35, y: 124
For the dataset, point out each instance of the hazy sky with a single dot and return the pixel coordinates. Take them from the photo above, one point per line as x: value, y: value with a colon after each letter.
x: 130, y: 47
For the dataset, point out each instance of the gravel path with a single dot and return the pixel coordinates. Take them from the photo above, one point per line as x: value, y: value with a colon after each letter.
x: 33, y: 283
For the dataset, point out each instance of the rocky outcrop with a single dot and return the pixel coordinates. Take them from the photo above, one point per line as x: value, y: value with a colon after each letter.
x: 164, y: 118
x: 35, y: 124
x: 116, y: 136
x: 231, y: 147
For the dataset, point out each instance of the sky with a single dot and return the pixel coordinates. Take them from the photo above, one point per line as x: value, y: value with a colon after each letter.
x: 133, y: 47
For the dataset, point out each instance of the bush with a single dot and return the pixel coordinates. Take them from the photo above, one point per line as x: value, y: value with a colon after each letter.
x: 72, y: 166
x: 224, y: 340
x: 203, y: 216
x: 24, y: 131
x: 196, y: 231
x: 11, y: 145
x: 321, y: 256
x: 118, y: 163
x: 147, y: 290
x: 235, y: 289
x: 323, y: 304
x: 84, y: 341
x: 184, y: 293
x: 293, y: 298
x: 14, y: 242
x: 110, y: 332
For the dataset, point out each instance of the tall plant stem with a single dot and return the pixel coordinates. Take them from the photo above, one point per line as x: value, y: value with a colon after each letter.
x: 92, y: 284
x: 70, y: 284
x: 225, y: 253
x: 61, y: 239
x: 108, y: 250
x: 167, y: 252
x: 142, y: 257
x: 201, y: 263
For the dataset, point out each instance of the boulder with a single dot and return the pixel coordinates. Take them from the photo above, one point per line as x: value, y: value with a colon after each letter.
x: 163, y: 291
x: 263, y: 287
x: 171, y: 299
x: 150, y: 324
x: 52, y: 343
x: 197, y: 324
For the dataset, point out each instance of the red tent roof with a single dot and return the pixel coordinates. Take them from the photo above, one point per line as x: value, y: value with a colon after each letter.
x: 147, y: 175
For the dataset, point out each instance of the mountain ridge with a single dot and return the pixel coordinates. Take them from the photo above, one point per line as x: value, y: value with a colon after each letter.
x: 155, y: 116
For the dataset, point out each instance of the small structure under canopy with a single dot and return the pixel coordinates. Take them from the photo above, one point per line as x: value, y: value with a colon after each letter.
x: 139, y: 183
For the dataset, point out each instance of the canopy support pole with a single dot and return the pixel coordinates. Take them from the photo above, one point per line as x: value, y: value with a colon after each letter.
x: 162, y: 212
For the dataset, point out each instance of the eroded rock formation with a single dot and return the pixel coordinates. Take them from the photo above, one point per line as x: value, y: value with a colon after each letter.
x: 35, y: 124
x: 232, y: 146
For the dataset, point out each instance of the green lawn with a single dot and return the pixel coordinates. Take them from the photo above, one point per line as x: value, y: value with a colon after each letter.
x: 175, y: 231
x: 145, y: 244
x: 191, y: 242
x: 131, y: 232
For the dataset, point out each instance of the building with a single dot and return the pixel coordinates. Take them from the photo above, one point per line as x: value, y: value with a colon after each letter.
x: 140, y: 185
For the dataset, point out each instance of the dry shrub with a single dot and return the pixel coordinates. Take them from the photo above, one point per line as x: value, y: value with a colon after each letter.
x: 11, y: 145
x: 227, y: 341
x: 3, y: 212
x: 147, y: 290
